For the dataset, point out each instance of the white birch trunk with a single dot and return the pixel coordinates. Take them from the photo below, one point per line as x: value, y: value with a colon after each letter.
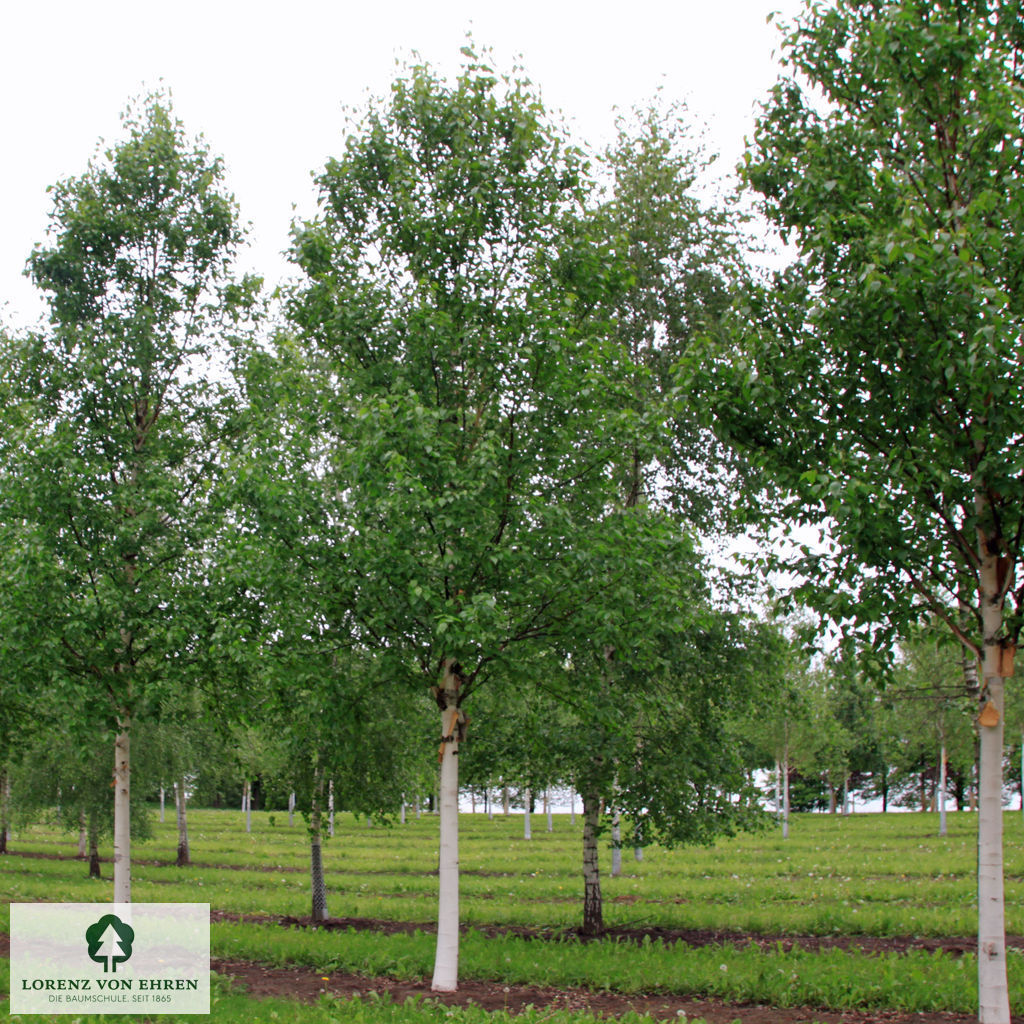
x: 942, y: 790
x: 291, y: 808
x: 446, y: 958
x: 248, y: 805
x: 638, y: 853
x: 330, y: 809
x: 505, y: 804
x: 572, y: 806
x: 993, y: 992
x: 184, y: 854
x: 490, y: 805
x: 616, y: 846
x: 161, y: 805
x: 122, y: 820
x: 83, y: 836
x: 785, y: 794
x: 778, y: 789
x: 593, y: 914
x: 401, y: 813
x: 527, y: 828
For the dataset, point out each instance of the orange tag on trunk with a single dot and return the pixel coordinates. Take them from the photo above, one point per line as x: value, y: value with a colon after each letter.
x: 989, y: 715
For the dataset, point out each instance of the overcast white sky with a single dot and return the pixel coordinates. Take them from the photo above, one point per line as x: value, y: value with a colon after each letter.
x: 266, y: 84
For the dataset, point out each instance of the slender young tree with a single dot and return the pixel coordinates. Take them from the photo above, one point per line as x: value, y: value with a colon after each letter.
x: 878, y: 377
x: 116, y: 467
x: 464, y: 385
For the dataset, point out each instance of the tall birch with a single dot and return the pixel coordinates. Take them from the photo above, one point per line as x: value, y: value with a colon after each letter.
x: 117, y: 468
x: 876, y: 378
x: 443, y: 329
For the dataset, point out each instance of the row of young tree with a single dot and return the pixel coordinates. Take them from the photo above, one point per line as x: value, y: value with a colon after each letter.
x: 477, y: 443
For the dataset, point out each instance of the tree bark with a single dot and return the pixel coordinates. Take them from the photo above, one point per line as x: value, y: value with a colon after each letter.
x: 161, y: 805
x: 5, y: 810
x: 122, y: 821
x: 942, y: 790
x: 593, y: 917
x: 527, y: 827
x: 616, y: 846
x: 94, y: 846
x: 184, y: 856
x: 785, y: 793
x: 248, y: 805
x: 547, y: 810
x: 446, y: 958
x: 83, y: 836
x: 993, y: 991
x: 330, y: 809
x: 318, y: 886
x: 291, y: 808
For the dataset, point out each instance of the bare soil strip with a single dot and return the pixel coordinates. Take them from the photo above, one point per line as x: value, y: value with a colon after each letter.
x: 690, y: 936
x: 308, y: 986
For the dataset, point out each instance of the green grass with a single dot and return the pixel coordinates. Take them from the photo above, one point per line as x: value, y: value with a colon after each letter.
x: 867, y: 875
x: 231, y: 1006
x: 864, y: 875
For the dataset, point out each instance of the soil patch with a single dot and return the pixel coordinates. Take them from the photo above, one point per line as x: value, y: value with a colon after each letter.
x: 309, y: 986
x: 690, y: 936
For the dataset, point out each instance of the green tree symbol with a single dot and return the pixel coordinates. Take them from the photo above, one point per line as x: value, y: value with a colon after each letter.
x: 110, y: 941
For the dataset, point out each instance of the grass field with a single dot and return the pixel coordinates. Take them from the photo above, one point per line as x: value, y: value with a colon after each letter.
x: 867, y: 877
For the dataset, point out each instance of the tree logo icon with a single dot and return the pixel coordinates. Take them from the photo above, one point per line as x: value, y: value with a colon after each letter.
x: 110, y: 941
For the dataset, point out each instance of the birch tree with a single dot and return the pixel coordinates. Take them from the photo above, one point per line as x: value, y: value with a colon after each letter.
x: 469, y: 403
x: 878, y: 377
x: 115, y: 468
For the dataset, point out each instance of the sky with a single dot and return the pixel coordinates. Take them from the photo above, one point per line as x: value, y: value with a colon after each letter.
x: 268, y: 84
